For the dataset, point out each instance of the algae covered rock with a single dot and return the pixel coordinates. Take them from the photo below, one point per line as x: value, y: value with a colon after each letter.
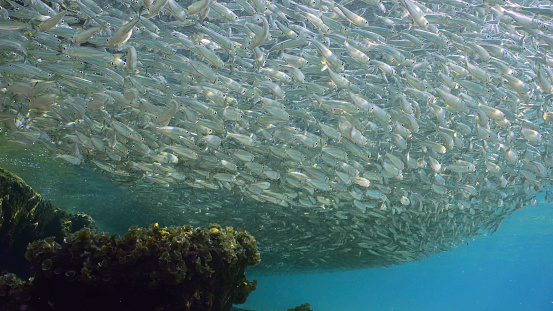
x: 14, y: 293
x: 302, y: 307
x: 174, y: 268
x: 25, y: 217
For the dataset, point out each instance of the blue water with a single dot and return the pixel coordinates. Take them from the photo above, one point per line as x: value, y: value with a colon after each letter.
x: 509, y: 270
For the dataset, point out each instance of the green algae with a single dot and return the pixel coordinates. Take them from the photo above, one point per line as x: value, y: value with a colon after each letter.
x: 173, y: 268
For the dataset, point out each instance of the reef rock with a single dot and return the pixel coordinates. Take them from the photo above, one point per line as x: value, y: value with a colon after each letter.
x: 25, y: 217
x: 175, y: 268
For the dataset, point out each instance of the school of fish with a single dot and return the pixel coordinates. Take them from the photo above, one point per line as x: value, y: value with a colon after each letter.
x: 356, y: 133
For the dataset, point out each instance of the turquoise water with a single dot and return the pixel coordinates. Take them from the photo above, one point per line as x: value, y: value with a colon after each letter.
x: 510, y: 270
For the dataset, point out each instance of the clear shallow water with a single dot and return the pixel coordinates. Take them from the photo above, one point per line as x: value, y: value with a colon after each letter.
x: 510, y: 270
x: 77, y: 189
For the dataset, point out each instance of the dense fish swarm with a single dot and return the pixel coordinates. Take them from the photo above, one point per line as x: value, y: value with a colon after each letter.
x: 358, y: 133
